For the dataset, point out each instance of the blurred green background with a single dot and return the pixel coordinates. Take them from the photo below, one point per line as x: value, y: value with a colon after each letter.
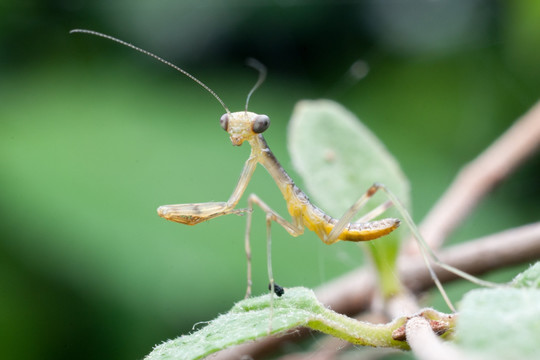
x: 94, y: 137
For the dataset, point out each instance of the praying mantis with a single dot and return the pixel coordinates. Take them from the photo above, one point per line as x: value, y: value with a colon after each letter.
x: 248, y: 127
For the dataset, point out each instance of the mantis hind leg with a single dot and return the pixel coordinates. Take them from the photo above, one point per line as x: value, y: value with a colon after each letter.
x: 393, y: 200
x: 427, y: 253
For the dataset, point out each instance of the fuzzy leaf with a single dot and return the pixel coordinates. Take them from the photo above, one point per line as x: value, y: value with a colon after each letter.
x: 503, y: 323
x: 250, y: 319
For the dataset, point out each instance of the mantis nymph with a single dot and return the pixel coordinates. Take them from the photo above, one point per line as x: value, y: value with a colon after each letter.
x: 245, y: 126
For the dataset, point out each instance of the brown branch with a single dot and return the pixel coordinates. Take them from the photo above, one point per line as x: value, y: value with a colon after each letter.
x: 352, y: 293
x: 509, y: 247
x: 479, y: 177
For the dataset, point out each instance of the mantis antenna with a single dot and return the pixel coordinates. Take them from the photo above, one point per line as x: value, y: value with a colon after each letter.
x: 148, y: 53
x: 257, y: 65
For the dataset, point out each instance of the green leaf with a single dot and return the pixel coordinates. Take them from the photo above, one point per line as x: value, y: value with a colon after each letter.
x: 339, y: 159
x: 529, y: 278
x: 503, y: 323
x: 250, y: 319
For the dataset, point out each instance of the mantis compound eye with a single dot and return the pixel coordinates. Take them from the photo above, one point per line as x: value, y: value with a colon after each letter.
x: 224, y: 121
x: 260, y: 124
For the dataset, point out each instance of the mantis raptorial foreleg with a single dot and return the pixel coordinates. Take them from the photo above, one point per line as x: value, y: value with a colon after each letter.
x: 192, y: 214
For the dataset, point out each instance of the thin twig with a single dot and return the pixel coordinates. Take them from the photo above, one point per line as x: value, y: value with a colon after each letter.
x: 479, y: 177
